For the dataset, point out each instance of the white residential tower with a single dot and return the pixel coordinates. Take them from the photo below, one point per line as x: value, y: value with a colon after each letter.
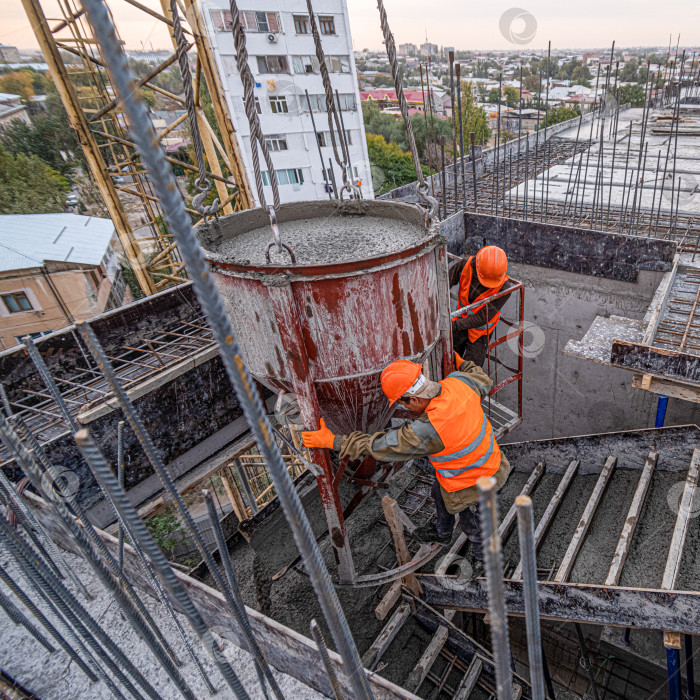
x: 283, y: 60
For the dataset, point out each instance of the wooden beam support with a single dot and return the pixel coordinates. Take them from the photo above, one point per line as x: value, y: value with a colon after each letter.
x: 625, y: 541
x: 468, y: 682
x: 429, y: 656
x: 550, y: 511
x: 373, y: 655
x: 680, y: 531
x: 388, y: 600
x: 233, y: 495
x: 585, y: 522
x: 391, y: 513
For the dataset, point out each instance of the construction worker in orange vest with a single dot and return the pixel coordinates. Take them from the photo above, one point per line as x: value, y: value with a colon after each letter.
x: 452, y: 432
x: 479, y: 277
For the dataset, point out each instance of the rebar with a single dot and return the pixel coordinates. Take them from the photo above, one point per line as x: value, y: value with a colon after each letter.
x: 528, y: 555
x: 326, y: 659
x: 243, y: 478
x: 120, y: 479
x: 155, y: 459
x: 493, y: 562
x: 19, y: 618
x: 227, y: 564
x: 23, y: 598
x: 237, y: 370
x: 458, y: 73
x: 107, y: 481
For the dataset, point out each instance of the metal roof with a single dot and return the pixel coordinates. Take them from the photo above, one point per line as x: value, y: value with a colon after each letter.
x: 30, y: 240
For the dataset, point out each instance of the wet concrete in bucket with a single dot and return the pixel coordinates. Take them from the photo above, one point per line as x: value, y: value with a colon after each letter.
x: 319, y: 241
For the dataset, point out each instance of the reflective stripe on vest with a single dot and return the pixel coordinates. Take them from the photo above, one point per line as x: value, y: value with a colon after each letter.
x: 465, y: 282
x: 470, y: 450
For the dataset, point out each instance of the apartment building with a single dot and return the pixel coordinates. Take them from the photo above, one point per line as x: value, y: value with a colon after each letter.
x: 283, y: 60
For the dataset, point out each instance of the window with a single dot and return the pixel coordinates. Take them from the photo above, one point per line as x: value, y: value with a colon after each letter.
x: 338, y: 64
x: 276, y: 142
x: 38, y: 334
x: 290, y: 176
x: 305, y: 64
x: 17, y: 302
x: 318, y: 102
x: 272, y: 64
x: 326, y: 24
x: 279, y: 105
x: 301, y: 24
x: 260, y: 21
x: 222, y: 20
x: 324, y: 138
x: 258, y: 108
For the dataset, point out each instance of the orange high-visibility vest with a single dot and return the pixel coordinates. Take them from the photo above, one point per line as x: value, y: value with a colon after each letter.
x: 465, y: 281
x: 470, y: 449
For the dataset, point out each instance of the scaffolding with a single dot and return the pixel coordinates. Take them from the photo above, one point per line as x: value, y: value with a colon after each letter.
x: 83, y: 83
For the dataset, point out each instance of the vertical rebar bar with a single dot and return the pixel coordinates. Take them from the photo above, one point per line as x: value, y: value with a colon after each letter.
x: 493, y: 562
x: 473, y: 145
x: 458, y: 72
x: 528, y: 555
x: 180, y: 225
x: 451, y: 56
x: 545, y: 154
x: 442, y: 177
x: 586, y: 660
x: 326, y: 659
x: 120, y: 479
x: 245, y: 482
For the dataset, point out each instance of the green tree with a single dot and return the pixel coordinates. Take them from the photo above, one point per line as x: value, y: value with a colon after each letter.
x: 560, y: 114
x: 512, y: 96
x: 474, y: 118
x: 166, y: 530
x: 494, y: 96
x: 629, y: 73
x: 634, y: 94
x: 581, y: 76
x: 47, y: 136
x: 18, y: 83
x: 149, y: 97
x: 30, y: 186
x: 391, y: 167
x: 532, y: 83
x: 380, y: 81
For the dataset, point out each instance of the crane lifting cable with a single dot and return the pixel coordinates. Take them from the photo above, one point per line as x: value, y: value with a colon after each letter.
x: 256, y: 134
x: 342, y: 158
x: 202, y: 183
x: 422, y: 185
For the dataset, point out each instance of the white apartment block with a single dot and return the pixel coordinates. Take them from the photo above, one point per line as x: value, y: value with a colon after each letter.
x: 283, y: 60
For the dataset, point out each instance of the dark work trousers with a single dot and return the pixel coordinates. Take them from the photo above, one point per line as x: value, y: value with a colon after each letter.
x: 468, y: 521
x: 476, y: 352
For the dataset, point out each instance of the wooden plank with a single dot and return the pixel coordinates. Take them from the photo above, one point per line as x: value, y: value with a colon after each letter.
x: 672, y: 640
x: 468, y: 682
x: 584, y: 523
x: 373, y: 655
x: 680, y: 531
x: 389, y: 600
x: 504, y: 528
x: 391, y: 513
x: 659, y: 303
x: 635, y: 510
x: 517, y: 691
x: 426, y: 661
x: 233, y: 494
x: 642, y: 608
x: 663, y: 363
x: 676, y: 390
x: 550, y: 511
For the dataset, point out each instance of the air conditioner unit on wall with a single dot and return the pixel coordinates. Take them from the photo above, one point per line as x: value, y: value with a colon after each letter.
x: 272, y: 38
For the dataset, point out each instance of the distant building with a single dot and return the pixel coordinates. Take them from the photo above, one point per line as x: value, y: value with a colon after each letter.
x: 11, y: 108
x: 55, y: 269
x: 408, y: 49
x: 283, y: 61
x: 446, y: 51
x: 9, y: 53
x: 428, y: 49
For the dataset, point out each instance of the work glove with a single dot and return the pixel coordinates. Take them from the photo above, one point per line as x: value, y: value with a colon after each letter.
x: 458, y: 361
x: 322, y: 437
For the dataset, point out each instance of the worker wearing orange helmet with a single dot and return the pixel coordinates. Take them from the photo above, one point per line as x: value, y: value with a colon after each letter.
x: 479, y: 277
x: 452, y: 432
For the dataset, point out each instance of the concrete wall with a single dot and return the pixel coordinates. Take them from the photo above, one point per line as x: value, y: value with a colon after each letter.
x: 564, y: 395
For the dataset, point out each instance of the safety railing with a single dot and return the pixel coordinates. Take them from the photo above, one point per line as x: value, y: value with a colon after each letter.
x: 503, y: 417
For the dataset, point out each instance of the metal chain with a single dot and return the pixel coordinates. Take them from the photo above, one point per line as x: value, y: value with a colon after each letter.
x: 422, y: 186
x: 332, y: 110
x: 202, y: 182
x: 251, y: 113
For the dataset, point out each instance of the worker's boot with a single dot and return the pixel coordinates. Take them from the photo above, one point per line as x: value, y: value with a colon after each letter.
x: 428, y: 533
x: 471, y: 527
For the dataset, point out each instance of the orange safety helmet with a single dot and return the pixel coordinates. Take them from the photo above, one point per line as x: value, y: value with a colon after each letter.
x: 491, y: 266
x: 398, y: 378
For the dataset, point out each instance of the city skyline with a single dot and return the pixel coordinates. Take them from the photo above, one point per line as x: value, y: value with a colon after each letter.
x: 497, y: 27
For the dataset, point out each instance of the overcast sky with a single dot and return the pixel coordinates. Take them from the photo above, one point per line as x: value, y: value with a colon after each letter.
x: 465, y: 25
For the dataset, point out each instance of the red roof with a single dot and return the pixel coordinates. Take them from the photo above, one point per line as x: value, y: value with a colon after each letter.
x: 390, y: 95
